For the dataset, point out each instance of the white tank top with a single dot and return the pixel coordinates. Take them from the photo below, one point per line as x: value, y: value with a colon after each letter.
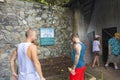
x: 26, y: 67
x: 96, y: 45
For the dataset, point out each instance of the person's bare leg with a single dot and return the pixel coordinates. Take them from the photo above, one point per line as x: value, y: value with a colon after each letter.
x: 95, y: 59
x: 98, y: 63
x: 107, y: 62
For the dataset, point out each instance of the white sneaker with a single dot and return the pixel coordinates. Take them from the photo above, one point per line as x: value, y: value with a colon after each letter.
x: 106, y: 66
x: 116, y: 68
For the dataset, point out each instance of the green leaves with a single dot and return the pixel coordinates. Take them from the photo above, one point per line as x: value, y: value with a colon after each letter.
x: 44, y: 2
x: 51, y: 2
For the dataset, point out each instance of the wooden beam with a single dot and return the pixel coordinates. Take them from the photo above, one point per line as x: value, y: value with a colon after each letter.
x: 76, y: 21
x: 87, y: 3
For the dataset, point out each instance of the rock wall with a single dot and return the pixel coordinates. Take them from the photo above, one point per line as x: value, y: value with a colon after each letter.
x: 18, y: 16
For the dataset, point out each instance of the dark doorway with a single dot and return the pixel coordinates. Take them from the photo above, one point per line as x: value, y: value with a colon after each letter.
x: 107, y: 33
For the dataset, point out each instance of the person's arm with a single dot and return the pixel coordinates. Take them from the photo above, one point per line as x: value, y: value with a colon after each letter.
x: 77, y: 48
x: 110, y: 42
x: 109, y: 49
x: 36, y: 61
x: 12, y: 64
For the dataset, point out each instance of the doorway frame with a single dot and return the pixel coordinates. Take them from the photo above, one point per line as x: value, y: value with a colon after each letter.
x: 106, y: 30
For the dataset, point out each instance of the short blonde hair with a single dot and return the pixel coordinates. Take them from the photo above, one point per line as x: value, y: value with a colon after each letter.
x: 117, y: 34
x: 29, y: 32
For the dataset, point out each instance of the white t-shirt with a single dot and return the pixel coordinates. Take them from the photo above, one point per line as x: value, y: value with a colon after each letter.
x: 96, y: 45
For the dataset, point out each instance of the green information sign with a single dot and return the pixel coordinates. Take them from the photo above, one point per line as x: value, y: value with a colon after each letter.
x: 47, y: 36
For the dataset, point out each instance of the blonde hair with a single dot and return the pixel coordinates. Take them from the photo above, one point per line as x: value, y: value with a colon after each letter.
x: 117, y: 34
x: 29, y: 32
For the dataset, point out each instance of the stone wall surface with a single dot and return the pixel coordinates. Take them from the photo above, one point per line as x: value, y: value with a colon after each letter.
x: 18, y: 16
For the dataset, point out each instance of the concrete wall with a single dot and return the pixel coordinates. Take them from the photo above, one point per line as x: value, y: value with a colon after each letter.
x: 106, y: 14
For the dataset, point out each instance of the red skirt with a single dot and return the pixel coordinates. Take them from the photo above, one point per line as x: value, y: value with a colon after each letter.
x: 79, y: 74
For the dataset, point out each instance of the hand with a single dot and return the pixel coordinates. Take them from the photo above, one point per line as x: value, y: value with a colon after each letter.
x: 72, y: 72
x: 14, y: 76
x: 42, y: 78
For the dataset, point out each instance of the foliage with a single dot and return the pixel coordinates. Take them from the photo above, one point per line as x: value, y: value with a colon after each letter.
x: 51, y: 2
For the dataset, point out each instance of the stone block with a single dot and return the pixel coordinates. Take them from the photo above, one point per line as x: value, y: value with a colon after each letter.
x: 38, y: 18
x: 9, y: 28
x: 3, y: 55
x: 17, y: 27
x: 31, y: 11
x: 45, y: 7
x: 1, y: 36
x: 37, y: 6
x: 49, y: 21
x: 44, y: 16
x: 22, y: 14
x: 0, y: 50
x: 29, y: 5
x: 9, y: 9
x: 19, y: 3
x: 7, y: 35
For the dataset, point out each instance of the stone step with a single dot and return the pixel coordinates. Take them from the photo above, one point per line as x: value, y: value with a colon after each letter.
x: 55, y: 72
x: 58, y: 77
x: 55, y: 66
x: 56, y: 63
x: 53, y: 61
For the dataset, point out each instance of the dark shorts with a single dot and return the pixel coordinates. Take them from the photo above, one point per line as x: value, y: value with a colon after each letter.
x: 96, y: 52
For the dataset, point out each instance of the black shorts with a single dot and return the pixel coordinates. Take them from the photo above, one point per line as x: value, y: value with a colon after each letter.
x: 96, y: 52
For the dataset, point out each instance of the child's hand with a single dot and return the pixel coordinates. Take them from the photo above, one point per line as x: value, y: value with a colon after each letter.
x: 14, y: 76
x: 72, y: 71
